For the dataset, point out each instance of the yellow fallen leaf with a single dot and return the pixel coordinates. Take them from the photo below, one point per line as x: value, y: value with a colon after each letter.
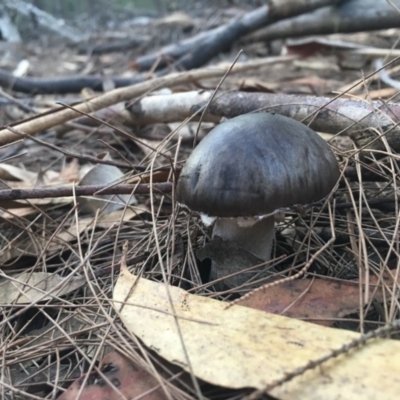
x: 240, y: 347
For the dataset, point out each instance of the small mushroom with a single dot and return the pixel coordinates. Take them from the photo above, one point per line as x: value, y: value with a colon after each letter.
x: 251, y: 167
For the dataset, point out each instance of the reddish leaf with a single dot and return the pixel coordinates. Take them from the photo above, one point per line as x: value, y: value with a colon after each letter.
x: 130, y: 381
x: 309, y: 46
x: 318, y: 300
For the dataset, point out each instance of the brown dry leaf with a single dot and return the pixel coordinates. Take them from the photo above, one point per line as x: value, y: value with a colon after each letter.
x: 21, y: 211
x: 382, y: 93
x: 104, y: 220
x: 312, y: 82
x: 318, y: 300
x: 317, y: 64
x: 22, y: 208
x: 240, y: 347
x: 19, y: 178
x: 12, y: 173
x: 257, y: 85
x: 148, y: 146
x: 158, y: 176
x: 69, y: 174
x: 176, y: 19
x: 31, y: 287
x: 129, y: 380
x: 189, y: 130
x: 309, y: 46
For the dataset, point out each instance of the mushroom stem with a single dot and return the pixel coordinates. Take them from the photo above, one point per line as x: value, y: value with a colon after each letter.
x: 256, y: 238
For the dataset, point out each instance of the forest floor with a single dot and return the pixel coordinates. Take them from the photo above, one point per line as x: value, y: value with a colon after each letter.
x: 81, y: 118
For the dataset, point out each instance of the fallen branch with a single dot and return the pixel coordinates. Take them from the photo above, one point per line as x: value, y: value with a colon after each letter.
x: 89, y: 190
x: 144, y: 188
x: 120, y: 46
x: 361, y: 120
x: 346, y: 17
x: 195, y: 52
x: 61, y: 115
x: 73, y: 84
x: 198, y: 50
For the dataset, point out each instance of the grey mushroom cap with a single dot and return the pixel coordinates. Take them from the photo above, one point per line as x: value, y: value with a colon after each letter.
x: 255, y: 164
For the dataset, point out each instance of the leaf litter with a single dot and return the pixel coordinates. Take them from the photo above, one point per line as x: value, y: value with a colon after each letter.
x: 229, y: 347
x: 52, y: 336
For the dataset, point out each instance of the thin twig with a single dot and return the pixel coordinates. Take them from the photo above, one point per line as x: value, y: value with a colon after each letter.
x: 89, y: 190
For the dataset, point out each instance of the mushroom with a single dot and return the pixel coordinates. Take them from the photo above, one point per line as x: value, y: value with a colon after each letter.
x: 251, y: 167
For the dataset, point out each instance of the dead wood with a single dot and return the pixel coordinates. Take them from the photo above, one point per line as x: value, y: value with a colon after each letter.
x: 198, y: 50
x: 73, y: 84
x: 122, y: 45
x: 363, y: 121
x: 7, y: 195
x: 89, y: 190
x: 190, y: 54
x: 48, y: 229
x: 346, y: 17
x: 63, y: 114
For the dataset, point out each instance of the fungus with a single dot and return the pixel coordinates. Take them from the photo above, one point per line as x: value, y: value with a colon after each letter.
x: 251, y: 167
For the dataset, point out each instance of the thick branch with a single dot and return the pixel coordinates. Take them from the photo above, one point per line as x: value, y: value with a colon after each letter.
x: 348, y: 16
x: 360, y: 120
x: 72, y: 84
x: 61, y: 115
x: 198, y: 50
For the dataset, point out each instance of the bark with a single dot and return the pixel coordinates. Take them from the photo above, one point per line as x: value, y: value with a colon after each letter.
x: 71, y: 84
x: 123, y: 45
x: 348, y: 16
x: 198, y: 50
x: 64, y: 114
x: 89, y: 190
x: 363, y: 121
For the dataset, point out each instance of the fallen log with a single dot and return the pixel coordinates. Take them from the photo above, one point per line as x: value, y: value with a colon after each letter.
x: 198, y: 50
x: 365, y: 122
